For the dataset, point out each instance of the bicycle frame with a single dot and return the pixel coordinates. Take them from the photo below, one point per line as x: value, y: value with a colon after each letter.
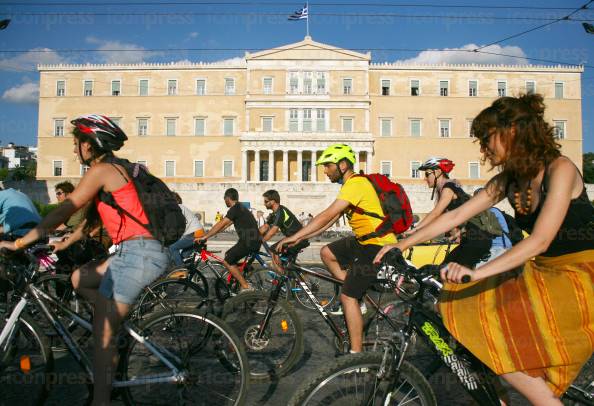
x: 42, y: 299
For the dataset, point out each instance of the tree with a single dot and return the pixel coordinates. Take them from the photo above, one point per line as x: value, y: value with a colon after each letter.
x: 588, y: 159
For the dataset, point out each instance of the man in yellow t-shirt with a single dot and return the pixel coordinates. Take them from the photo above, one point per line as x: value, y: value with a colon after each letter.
x: 353, y: 252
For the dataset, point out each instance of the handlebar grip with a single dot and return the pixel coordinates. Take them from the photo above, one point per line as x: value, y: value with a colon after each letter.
x: 466, y: 279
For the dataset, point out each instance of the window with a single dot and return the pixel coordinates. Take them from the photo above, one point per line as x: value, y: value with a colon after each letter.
x: 469, y: 127
x: 530, y: 87
x: 199, y: 169
x: 116, y: 87
x: 227, y: 168
x: 415, y: 87
x: 84, y: 169
x: 307, y: 83
x: 414, y: 169
x: 472, y: 88
x: 501, y: 88
x: 474, y: 171
x: 88, y: 88
x: 200, y: 87
x: 415, y: 127
x: 558, y: 90
x: 57, y: 168
x: 143, y: 87
x: 347, y: 124
x: 172, y: 87
x: 386, y: 168
x: 267, y: 85
x: 293, y: 83
x: 229, y: 86
x: 385, y: 87
x: 142, y: 162
x: 60, y: 88
x: 444, y: 87
x: 293, y: 120
x: 347, y: 86
x: 228, y: 126
x: 58, y: 128
x: 143, y: 127
x: 169, y: 168
x: 267, y: 124
x: 200, y: 126
x: 444, y: 128
x: 307, y: 120
x: 117, y: 121
x: 386, y: 127
x: 559, y: 129
x: 321, y: 120
x: 321, y: 83
x: 170, y: 126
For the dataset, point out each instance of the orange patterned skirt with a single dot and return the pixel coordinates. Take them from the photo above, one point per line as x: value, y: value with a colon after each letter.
x: 540, y: 321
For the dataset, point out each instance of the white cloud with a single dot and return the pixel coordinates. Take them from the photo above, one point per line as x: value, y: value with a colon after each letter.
x: 463, y: 56
x: 29, y: 60
x: 23, y: 94
x: 236, y: 60
x: 193, y: 35
x: 131, y: 53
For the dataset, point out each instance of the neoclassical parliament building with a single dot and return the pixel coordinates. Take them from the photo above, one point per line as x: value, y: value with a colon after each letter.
x: 260, y: 121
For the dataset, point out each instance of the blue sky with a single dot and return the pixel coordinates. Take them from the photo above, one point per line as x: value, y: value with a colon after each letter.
x: 129, y: 28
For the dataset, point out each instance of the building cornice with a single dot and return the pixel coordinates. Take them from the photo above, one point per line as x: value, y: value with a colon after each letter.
x: 236, y: 64
x: 478, y: 67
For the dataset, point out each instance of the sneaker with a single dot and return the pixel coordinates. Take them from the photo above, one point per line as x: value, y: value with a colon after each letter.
x: 338, y: 310
x: 250, y: 288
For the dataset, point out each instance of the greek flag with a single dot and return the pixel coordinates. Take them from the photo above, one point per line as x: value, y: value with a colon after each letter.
x: 299, y: 14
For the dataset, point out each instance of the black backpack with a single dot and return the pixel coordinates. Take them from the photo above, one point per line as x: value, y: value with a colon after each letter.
x: 166, y: 219
x: 515, y: 233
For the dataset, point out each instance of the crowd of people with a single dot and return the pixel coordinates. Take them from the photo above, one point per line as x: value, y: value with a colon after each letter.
x: 528, y: 312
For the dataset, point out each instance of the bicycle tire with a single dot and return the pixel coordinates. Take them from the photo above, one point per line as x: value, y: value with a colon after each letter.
x: 359, y: 368
x: 267, y: 280
x: 205, y: 346
x: 275, y: 354
x: 18, y: 356
x: 181, y: 272
x: 325, y: 291
x: 377, y: 330
x: 170, y: 295
x: 573, y: 396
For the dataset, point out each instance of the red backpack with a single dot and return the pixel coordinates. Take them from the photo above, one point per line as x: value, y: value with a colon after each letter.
x: 395, y: 204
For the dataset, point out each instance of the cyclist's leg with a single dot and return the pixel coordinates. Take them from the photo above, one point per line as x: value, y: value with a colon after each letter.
x: 232, y: 257
x: 337, y: 255
x: 534, y: 389
x: 87, y: 278
x: 185, y: 242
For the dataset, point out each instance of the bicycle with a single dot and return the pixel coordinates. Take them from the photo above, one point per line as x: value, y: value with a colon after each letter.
x: 271, y: 329
x: 177, y: 356
x: 387, y: 378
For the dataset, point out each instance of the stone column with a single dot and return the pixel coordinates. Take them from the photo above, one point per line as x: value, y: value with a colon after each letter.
x: 300, y: 166
x: 244, y: 166
x: 257, y: 165
x: 357, y: 156
x: 271, y: 165
x: 368, y: 168
x: 314, y: 168
x: 286, y: 166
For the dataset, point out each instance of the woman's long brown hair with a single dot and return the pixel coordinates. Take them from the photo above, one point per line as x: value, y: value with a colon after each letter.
x: 534, y: 143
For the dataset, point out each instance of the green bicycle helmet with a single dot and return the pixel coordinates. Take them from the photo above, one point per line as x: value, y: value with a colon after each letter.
x: 335, y: 153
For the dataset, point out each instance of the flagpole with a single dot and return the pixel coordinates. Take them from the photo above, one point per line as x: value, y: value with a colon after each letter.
x: 307, y: 5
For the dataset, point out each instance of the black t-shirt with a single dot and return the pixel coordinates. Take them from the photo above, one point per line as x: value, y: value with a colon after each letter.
x: 245, y: 224
x: 285, y: 220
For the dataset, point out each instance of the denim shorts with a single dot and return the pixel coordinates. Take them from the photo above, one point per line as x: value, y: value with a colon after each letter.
x: 135, y: 265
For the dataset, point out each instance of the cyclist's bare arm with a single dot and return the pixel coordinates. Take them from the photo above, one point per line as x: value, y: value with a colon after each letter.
x: 217, y: 228
x: 327, y: 226
x: 322, y: 221
x: 77, y: 235
x: 445, y: 198
x: 270, y: 232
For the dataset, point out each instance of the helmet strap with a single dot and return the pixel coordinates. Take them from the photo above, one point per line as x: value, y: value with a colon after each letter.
x: 435, y: 183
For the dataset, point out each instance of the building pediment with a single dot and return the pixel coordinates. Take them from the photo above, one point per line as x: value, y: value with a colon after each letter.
x: 308, y: 50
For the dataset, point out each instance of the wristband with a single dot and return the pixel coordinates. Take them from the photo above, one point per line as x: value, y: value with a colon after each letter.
x: 18, y: 243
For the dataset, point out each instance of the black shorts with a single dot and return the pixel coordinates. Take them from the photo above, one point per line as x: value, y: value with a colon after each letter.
x: 294, y: 250
x: 240, y: 250
x: 358, y: 259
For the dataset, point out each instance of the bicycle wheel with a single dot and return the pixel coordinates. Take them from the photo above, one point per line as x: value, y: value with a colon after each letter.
x: 266, y: 280
x: 326, y: 291
x: 26, y: 364
x: 353, y: 380
x: 377, y: 330
x: 202, y: 347
x: 198, y: 279
x: 60, y: 288
x: 281, y: 346
x: 170, y: 295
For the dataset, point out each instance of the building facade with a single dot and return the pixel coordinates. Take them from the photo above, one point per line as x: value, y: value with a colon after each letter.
x: 264, y: 119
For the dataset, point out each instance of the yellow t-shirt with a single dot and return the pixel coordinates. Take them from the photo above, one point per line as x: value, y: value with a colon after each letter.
x: 359, y: 192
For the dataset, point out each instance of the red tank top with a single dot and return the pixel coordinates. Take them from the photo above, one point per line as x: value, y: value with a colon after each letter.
x: 121, y: 227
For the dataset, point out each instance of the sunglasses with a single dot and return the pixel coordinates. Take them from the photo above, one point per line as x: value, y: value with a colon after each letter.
x: 427, y: 174
x: 59, y: 193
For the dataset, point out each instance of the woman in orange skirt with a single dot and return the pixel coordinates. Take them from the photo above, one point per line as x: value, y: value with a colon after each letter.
x: 528, y: 314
